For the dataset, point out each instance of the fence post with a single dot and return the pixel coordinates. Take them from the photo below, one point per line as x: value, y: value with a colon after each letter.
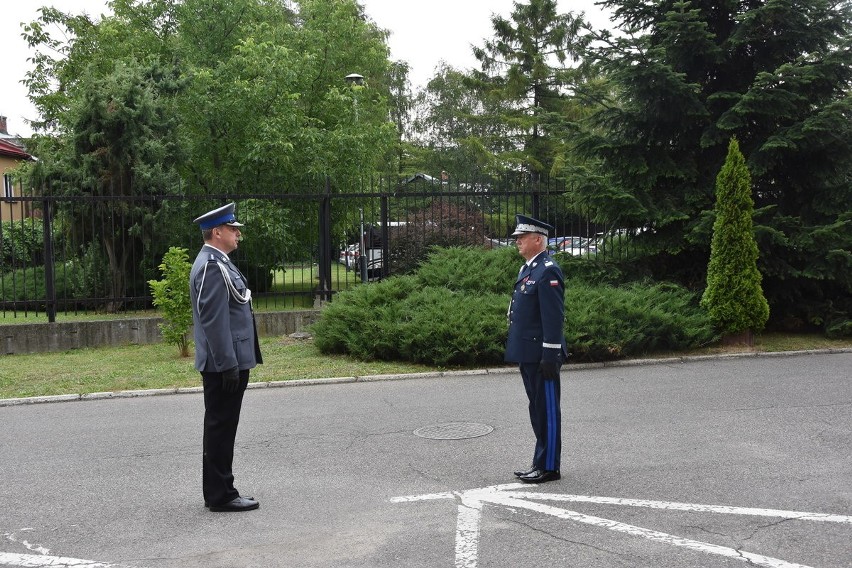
x: 49, y: 284
x: 536, y: 201
x: 385, y: 235
x: 324, y: 288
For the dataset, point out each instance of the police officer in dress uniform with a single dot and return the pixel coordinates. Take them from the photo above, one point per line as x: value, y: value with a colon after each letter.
x: 537, y: 343
x: 226, y: 348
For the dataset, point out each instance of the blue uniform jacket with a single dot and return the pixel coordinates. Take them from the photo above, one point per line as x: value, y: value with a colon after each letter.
x: 536, y: 314
x: 224, y: 330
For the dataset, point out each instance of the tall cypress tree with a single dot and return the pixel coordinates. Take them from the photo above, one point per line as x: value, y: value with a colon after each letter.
x: 774, y: 73
x: 733, y: 296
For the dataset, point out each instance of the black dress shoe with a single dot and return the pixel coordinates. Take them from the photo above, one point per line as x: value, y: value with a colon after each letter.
x: 207, y: 503
x: 529, y: 470
x: 540, y: 476
x: 237, y: 504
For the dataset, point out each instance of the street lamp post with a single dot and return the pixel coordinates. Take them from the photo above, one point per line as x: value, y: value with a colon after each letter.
x: 357, y: 80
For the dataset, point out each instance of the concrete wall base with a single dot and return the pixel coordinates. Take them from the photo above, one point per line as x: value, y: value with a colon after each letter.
x: 51, y: 337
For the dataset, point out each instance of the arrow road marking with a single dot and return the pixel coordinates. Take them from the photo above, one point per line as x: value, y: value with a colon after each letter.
x: 470, y: 505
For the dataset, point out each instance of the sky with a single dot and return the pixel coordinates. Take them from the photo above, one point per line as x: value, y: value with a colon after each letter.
x: 422, y: 32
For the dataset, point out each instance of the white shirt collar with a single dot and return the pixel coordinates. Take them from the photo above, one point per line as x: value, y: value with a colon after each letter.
x: 532, y: 260
x: 219, y: 251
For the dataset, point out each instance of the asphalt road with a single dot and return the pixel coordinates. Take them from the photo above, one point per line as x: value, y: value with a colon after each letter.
x: 341, y: 476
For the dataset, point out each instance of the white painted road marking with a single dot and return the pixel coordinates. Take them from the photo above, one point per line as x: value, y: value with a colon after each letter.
x: 43, y: 561
x: 470, y: 505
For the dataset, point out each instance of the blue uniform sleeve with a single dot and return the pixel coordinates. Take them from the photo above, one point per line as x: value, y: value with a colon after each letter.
x: 551, y: 295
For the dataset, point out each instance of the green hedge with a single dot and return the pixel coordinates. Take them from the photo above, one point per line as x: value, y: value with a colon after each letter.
x: 452, y: 311
x: 83, y: 278
x: 21, y: 244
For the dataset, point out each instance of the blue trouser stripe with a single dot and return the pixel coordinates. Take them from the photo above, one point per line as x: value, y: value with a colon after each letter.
x: 550, y: 402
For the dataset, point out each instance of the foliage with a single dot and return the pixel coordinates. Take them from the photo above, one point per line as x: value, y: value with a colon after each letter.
x: 441, y: 224
x: 597, y: 270
x: 23, y: 285
x: 171, y: 295
x: 87, y: 275
x: 451, y: 121
x: 608, y: 322
x: 206, y: 98
x: 119, y: 143
x: 685, y: 77
x: 452, y: 311
x: 269, y: 239
x: 733, y: 297
x: 75, y: 279
x: 267, y: 100
x: 21, y: 244
x: 511, y: 113
x: 471, y: 270
x: 525, y: 72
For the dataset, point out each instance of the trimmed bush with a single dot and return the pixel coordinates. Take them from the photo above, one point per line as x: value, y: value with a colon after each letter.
x: 608, y: 322
x: 734, y: 297
x: 452, y: 311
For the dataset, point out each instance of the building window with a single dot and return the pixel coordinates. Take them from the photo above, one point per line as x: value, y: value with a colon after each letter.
x: 8, y: 188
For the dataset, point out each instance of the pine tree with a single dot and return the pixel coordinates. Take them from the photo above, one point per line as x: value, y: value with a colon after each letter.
x: 526, y: 75
x: 774, y: 73
x: 734, y: 297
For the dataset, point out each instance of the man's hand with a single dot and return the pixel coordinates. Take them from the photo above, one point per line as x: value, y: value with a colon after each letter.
x: 231, y: 380
x: 549, y: 370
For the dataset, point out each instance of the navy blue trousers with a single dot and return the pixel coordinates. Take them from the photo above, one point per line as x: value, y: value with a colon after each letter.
x: 545, y: 417
x: 221, y: 418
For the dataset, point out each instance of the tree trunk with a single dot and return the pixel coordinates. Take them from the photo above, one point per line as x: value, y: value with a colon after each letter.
x: 742, y: 338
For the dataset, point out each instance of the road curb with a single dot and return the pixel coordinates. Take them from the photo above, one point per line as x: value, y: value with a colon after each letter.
x: 396, y: 377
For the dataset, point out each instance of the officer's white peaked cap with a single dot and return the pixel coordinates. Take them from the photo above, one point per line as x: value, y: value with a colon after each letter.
x: 524, y: 224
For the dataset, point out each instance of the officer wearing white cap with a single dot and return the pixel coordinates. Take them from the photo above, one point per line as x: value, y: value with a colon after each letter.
x: 226, y: 348
x: 537, y: 343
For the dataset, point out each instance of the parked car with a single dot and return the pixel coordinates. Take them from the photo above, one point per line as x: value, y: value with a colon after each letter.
x: 555, y: 243
x: 349, y: 256
x: 575, y: 246
x: 498, y: 243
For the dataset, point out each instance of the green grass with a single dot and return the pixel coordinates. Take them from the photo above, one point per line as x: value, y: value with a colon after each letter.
x: 767, y: 343
x: 112, y: 369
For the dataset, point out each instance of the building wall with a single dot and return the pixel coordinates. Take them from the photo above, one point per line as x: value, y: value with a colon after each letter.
x: 11, y: 210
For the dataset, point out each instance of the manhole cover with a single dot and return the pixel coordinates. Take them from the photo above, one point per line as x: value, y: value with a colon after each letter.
x: 454, y: 431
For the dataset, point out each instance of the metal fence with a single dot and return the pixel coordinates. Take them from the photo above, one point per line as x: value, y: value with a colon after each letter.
x: 90, y: 254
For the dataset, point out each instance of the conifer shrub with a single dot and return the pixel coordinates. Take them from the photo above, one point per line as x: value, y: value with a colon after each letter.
x: 471, y: 269
x: 734, y: 296
x: 608, y: 322
x: 364, y: 321
x: 452, y: 312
